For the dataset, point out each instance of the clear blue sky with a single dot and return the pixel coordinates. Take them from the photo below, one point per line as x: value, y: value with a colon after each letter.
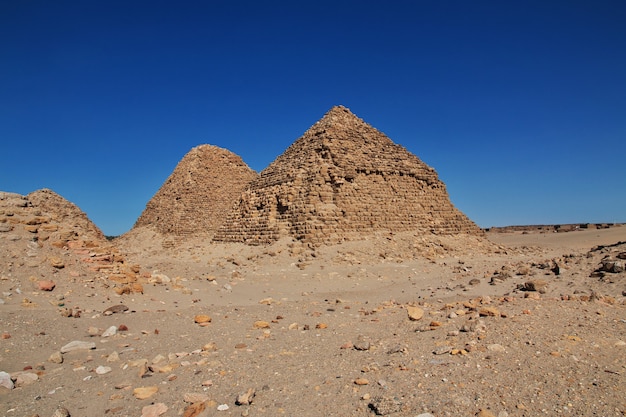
x: 519, y: 106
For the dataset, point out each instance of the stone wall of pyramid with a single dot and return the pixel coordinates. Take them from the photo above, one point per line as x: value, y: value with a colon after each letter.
x: 199, y: 193
x: 342, y: 180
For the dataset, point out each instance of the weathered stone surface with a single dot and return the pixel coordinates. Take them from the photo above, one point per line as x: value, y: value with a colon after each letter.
x: 197, y: 196
x: 342, y: 180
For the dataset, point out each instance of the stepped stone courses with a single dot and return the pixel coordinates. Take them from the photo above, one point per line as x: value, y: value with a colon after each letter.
x: 342, y: 180
x: 199, y: 193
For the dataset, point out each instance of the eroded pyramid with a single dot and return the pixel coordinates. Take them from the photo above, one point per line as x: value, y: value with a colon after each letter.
x: 196, y: 197
x: 342, y: 180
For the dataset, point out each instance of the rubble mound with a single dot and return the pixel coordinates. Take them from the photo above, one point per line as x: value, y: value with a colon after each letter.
x: 196, y: 197
x: 343, y: 180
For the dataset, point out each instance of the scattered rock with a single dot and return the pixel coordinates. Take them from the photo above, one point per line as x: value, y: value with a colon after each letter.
x: 111, y: 331
x: 61, y: 412
x: 46, y: 285
x: 56, y: 357
x: 142, y: 393
x: 154, y: 410
x: 202, y: 319
x: 6, y: 381
x: 246, y: 397
x: 78, y: 345
x: 414, y: 313
x: 120, y: 308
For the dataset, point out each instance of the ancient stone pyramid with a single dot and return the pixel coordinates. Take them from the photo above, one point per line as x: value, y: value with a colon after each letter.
x: 199, y: 193
x: 64, y: 213
x: 342, y: 180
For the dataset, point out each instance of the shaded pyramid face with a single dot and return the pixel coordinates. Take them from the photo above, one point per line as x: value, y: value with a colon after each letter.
x: 343, y: 180
x: 196, y: 197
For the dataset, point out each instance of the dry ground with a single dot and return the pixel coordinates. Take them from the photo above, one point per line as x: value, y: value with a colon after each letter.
x: 326, y: 331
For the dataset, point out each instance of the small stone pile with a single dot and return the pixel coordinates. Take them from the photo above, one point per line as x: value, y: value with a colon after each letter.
x: 196, y: 197
x: 343, y: 180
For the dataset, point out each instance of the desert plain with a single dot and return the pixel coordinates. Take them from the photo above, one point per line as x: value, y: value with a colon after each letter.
x: 393, y: 325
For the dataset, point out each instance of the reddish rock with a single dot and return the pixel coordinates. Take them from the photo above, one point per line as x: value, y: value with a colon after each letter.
x: 46, y: 285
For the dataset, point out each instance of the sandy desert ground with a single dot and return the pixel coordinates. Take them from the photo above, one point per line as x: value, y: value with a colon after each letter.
x: 402, y: 325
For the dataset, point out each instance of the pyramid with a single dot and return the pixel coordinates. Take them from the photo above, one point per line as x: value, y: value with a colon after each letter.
x: 196, y: 197
x: 343, y: 180
x: 64, y: 212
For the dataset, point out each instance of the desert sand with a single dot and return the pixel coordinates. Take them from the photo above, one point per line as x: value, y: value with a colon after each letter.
x: 314, y: 331
x: 340, y: 281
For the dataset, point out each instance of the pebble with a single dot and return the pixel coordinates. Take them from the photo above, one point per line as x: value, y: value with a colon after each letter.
x: 442, y: 350
x: 193, y: 397
x: 414, y: 313
x: 24, y: 378
x: 120, y: 308
x: 61, y: 412
x: 113, y: 357
x: 496, y: 348
x: 485, y: 413
x: 260, y: 324
x: 202, y: 318
x: 154, y: 410
x: 101, y: 370
x: 78, y: 345
x: 361, y: 381
x: 6, y: 381
x: 142, y: 393
x: 246, y: 397
x: 222, y: 407
x: 56, y: 357
x: 46, y: 285
x: 111, y: 331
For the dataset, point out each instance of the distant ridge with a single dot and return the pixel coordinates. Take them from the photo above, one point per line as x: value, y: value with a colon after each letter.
x: 342, y: 180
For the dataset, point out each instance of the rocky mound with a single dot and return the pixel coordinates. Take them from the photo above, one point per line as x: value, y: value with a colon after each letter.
x: 196, y: 197
x: 47, y: 241
x: 343, y: 180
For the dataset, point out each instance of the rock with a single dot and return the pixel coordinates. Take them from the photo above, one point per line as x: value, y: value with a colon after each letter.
x: 113, y: 357
x: 425, y: 415
x: 154, y: 410
x: 383, y: 406
x: 78, y: 345
x: 101, y: 370
x: 24, y: 378
x: 489, y: 312
x: 5, y: 228
x: 474, y: 281
x: 246, y: 397
x: 6, y: 381
x: 61, y: 412
x: 442, y: 350
x: 485, y: 413
x: 199, y: 409
x: 120, y: 308
x: 202, y: 318
x: 260, y: 324
x: 141, y: 393
x: 222, y: 407
x: 538, y: 285
x: 46, y: 285
x: 414, y: 313
x: 361, y: 381
x: 56, y: 262
x: 56, y: 357
x: 111, y: 331
x: 193, y: 397
x: 472, y: 326
x: 496, y: 348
